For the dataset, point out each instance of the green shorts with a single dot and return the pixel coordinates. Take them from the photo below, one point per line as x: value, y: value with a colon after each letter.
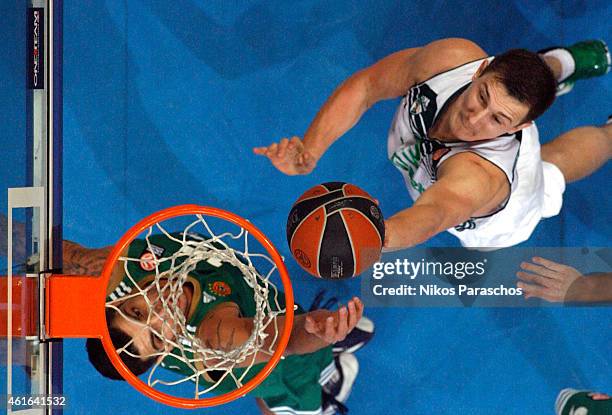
x: 294, y: 386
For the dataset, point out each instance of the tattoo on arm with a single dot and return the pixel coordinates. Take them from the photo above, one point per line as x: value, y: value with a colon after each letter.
x: 80, y: 260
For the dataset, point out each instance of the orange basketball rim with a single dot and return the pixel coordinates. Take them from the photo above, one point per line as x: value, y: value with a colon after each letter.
x: 75, y: 306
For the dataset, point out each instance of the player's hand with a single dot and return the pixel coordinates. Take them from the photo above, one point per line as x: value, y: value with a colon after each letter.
x: 289, y: 156
x: 333, y: 327
x: 547, y: 279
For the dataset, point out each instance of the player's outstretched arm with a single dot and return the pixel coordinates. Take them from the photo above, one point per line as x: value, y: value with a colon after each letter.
x: 554, y: 282
x: 224, y: 329
x: 467, y: 186
x: 388, y: 78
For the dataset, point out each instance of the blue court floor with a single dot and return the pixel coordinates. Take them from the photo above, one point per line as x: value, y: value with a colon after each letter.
x: 163, y: 102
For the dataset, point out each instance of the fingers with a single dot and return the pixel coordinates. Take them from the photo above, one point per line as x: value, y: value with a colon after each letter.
x: 548, y: 263
x: 295, y: 143
x: 288, y: 156
x: 282, y: 148
x: 343, y: 324
x: 310, y: 325
x: 272, y: 150
x: 269, y: 151
x: 355, y: 312
x: 308, y: 160
x: 329, y: 330
x: 536, y: 279
x: 538, y: 291
x: 348, y: 317
x: 334, y: 327
x: 359, y: 308
x: 352, y: 316
x: 279, y: 149
x: 540, y: 270
x: 530, y: 290
x: 305, y: 162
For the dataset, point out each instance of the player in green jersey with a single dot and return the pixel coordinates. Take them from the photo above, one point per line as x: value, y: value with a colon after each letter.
x: 218, y: 306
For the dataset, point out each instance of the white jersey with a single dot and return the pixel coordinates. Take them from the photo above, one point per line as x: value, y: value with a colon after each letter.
x: 418, y: 157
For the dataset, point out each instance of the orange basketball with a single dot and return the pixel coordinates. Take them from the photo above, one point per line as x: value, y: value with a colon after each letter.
x: 335, y: 230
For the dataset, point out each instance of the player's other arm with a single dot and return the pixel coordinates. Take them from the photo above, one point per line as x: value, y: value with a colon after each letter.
x: 555, y: 282
x: 467, y: 186
x: 592, y: 288
x: 79, y: 260
x: 388, y: 78
x: 224, y: 329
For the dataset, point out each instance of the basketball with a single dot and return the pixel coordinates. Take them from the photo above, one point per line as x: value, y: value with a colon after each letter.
x: 335, y: 230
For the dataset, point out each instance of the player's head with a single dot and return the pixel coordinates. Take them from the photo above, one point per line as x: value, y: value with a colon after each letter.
x: 506, y: 94
x: 138, y: 326
x: 100, y: 360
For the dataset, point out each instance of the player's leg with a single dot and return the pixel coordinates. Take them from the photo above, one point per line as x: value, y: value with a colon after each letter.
x: 295, y: 385
x: 581, y: 151
x: 324, y: 383
x: 582, y: 60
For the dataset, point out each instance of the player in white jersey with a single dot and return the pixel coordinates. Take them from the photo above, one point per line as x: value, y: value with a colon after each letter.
x: 418, y: 157
x: 463, y: 137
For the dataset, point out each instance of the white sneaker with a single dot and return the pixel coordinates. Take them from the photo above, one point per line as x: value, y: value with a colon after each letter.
x: 357, y: 338
x: 338, y: 388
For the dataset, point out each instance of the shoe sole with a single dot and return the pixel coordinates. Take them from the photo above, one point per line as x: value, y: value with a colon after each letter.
x: 347, y: 361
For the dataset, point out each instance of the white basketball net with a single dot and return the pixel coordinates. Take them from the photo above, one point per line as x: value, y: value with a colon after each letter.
x: 184, y: 345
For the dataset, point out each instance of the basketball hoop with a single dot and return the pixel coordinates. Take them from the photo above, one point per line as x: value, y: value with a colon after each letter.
x: 198, y: 241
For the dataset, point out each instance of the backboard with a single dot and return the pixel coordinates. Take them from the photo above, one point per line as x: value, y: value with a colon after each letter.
x: 31, y: 200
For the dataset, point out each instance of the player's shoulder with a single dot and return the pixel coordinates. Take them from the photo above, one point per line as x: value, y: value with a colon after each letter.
x: 468, y: 165
x: 443, y: 55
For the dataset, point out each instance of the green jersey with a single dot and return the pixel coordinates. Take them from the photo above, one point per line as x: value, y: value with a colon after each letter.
x: 294, y: 383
